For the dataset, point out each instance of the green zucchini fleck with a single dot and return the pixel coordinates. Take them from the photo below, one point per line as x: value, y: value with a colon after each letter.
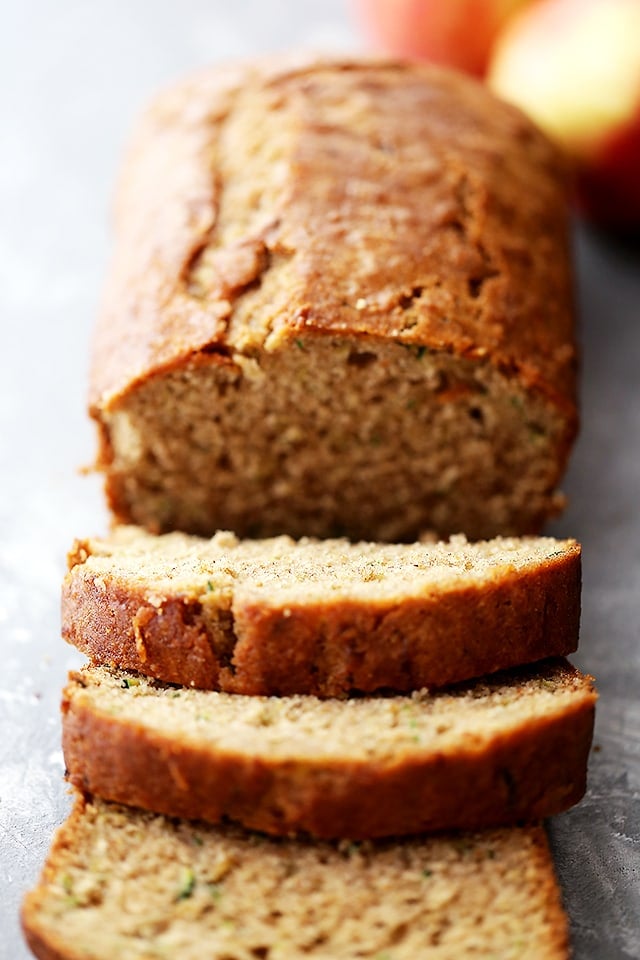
x: 187, y: 884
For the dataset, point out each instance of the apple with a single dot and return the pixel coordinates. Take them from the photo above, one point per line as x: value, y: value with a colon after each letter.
x: 574, y: 67
x: 456, y: 33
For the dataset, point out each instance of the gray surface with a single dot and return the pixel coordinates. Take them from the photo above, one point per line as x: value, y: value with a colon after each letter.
x: 73, y: 76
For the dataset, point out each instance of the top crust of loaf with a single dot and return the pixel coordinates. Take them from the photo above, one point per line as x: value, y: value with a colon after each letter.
x: 366, y: 198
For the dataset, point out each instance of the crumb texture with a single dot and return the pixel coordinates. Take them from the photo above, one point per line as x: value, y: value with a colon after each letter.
x: 378, y: 729
x: 312, y: 569
x: 120, y: 883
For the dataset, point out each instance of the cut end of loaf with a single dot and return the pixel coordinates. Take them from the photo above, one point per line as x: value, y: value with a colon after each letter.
x: 331, y: 436
x: 124, y: 883
x: 367, y: 328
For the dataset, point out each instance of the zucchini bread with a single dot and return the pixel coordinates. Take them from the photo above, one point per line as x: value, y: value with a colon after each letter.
x: 340, y: 304
x: 327, y: 617
x: 492, y: 752
x: 136, y: 886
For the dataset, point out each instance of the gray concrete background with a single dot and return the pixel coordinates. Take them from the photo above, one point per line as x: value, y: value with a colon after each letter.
x: 73, y: 74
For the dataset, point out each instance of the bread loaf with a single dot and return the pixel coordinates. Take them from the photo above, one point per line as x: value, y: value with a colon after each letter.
x: 323, y: 617
x: 340, y: 304
x: 121, y: 883
x: 510, y: 748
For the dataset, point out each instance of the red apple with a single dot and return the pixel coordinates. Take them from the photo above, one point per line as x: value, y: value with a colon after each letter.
x: 457, y: 33
x: 574, y: 67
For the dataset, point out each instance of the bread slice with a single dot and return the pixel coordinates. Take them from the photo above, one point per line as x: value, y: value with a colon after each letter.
x: 340, y: 303
x: 119, y: 883
x: 320, y: 617
x: 493, y: 752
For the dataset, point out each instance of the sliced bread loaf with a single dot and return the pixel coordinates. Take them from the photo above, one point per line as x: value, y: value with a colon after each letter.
x: 493, y: 752
x: 124, y: 884
x: 340, y: 304
x: 323, y: 617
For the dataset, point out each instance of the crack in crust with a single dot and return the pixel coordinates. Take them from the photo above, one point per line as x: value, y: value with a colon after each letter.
x: 329, y: 196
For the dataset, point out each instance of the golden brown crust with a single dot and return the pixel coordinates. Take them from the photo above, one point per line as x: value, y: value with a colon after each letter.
x: 328, y: 648
x: 42, y: 944
x: 533, y: 771
x: 459, y: 245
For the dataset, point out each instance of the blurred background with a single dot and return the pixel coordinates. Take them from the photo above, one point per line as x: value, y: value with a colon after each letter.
x: 73, y: 76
